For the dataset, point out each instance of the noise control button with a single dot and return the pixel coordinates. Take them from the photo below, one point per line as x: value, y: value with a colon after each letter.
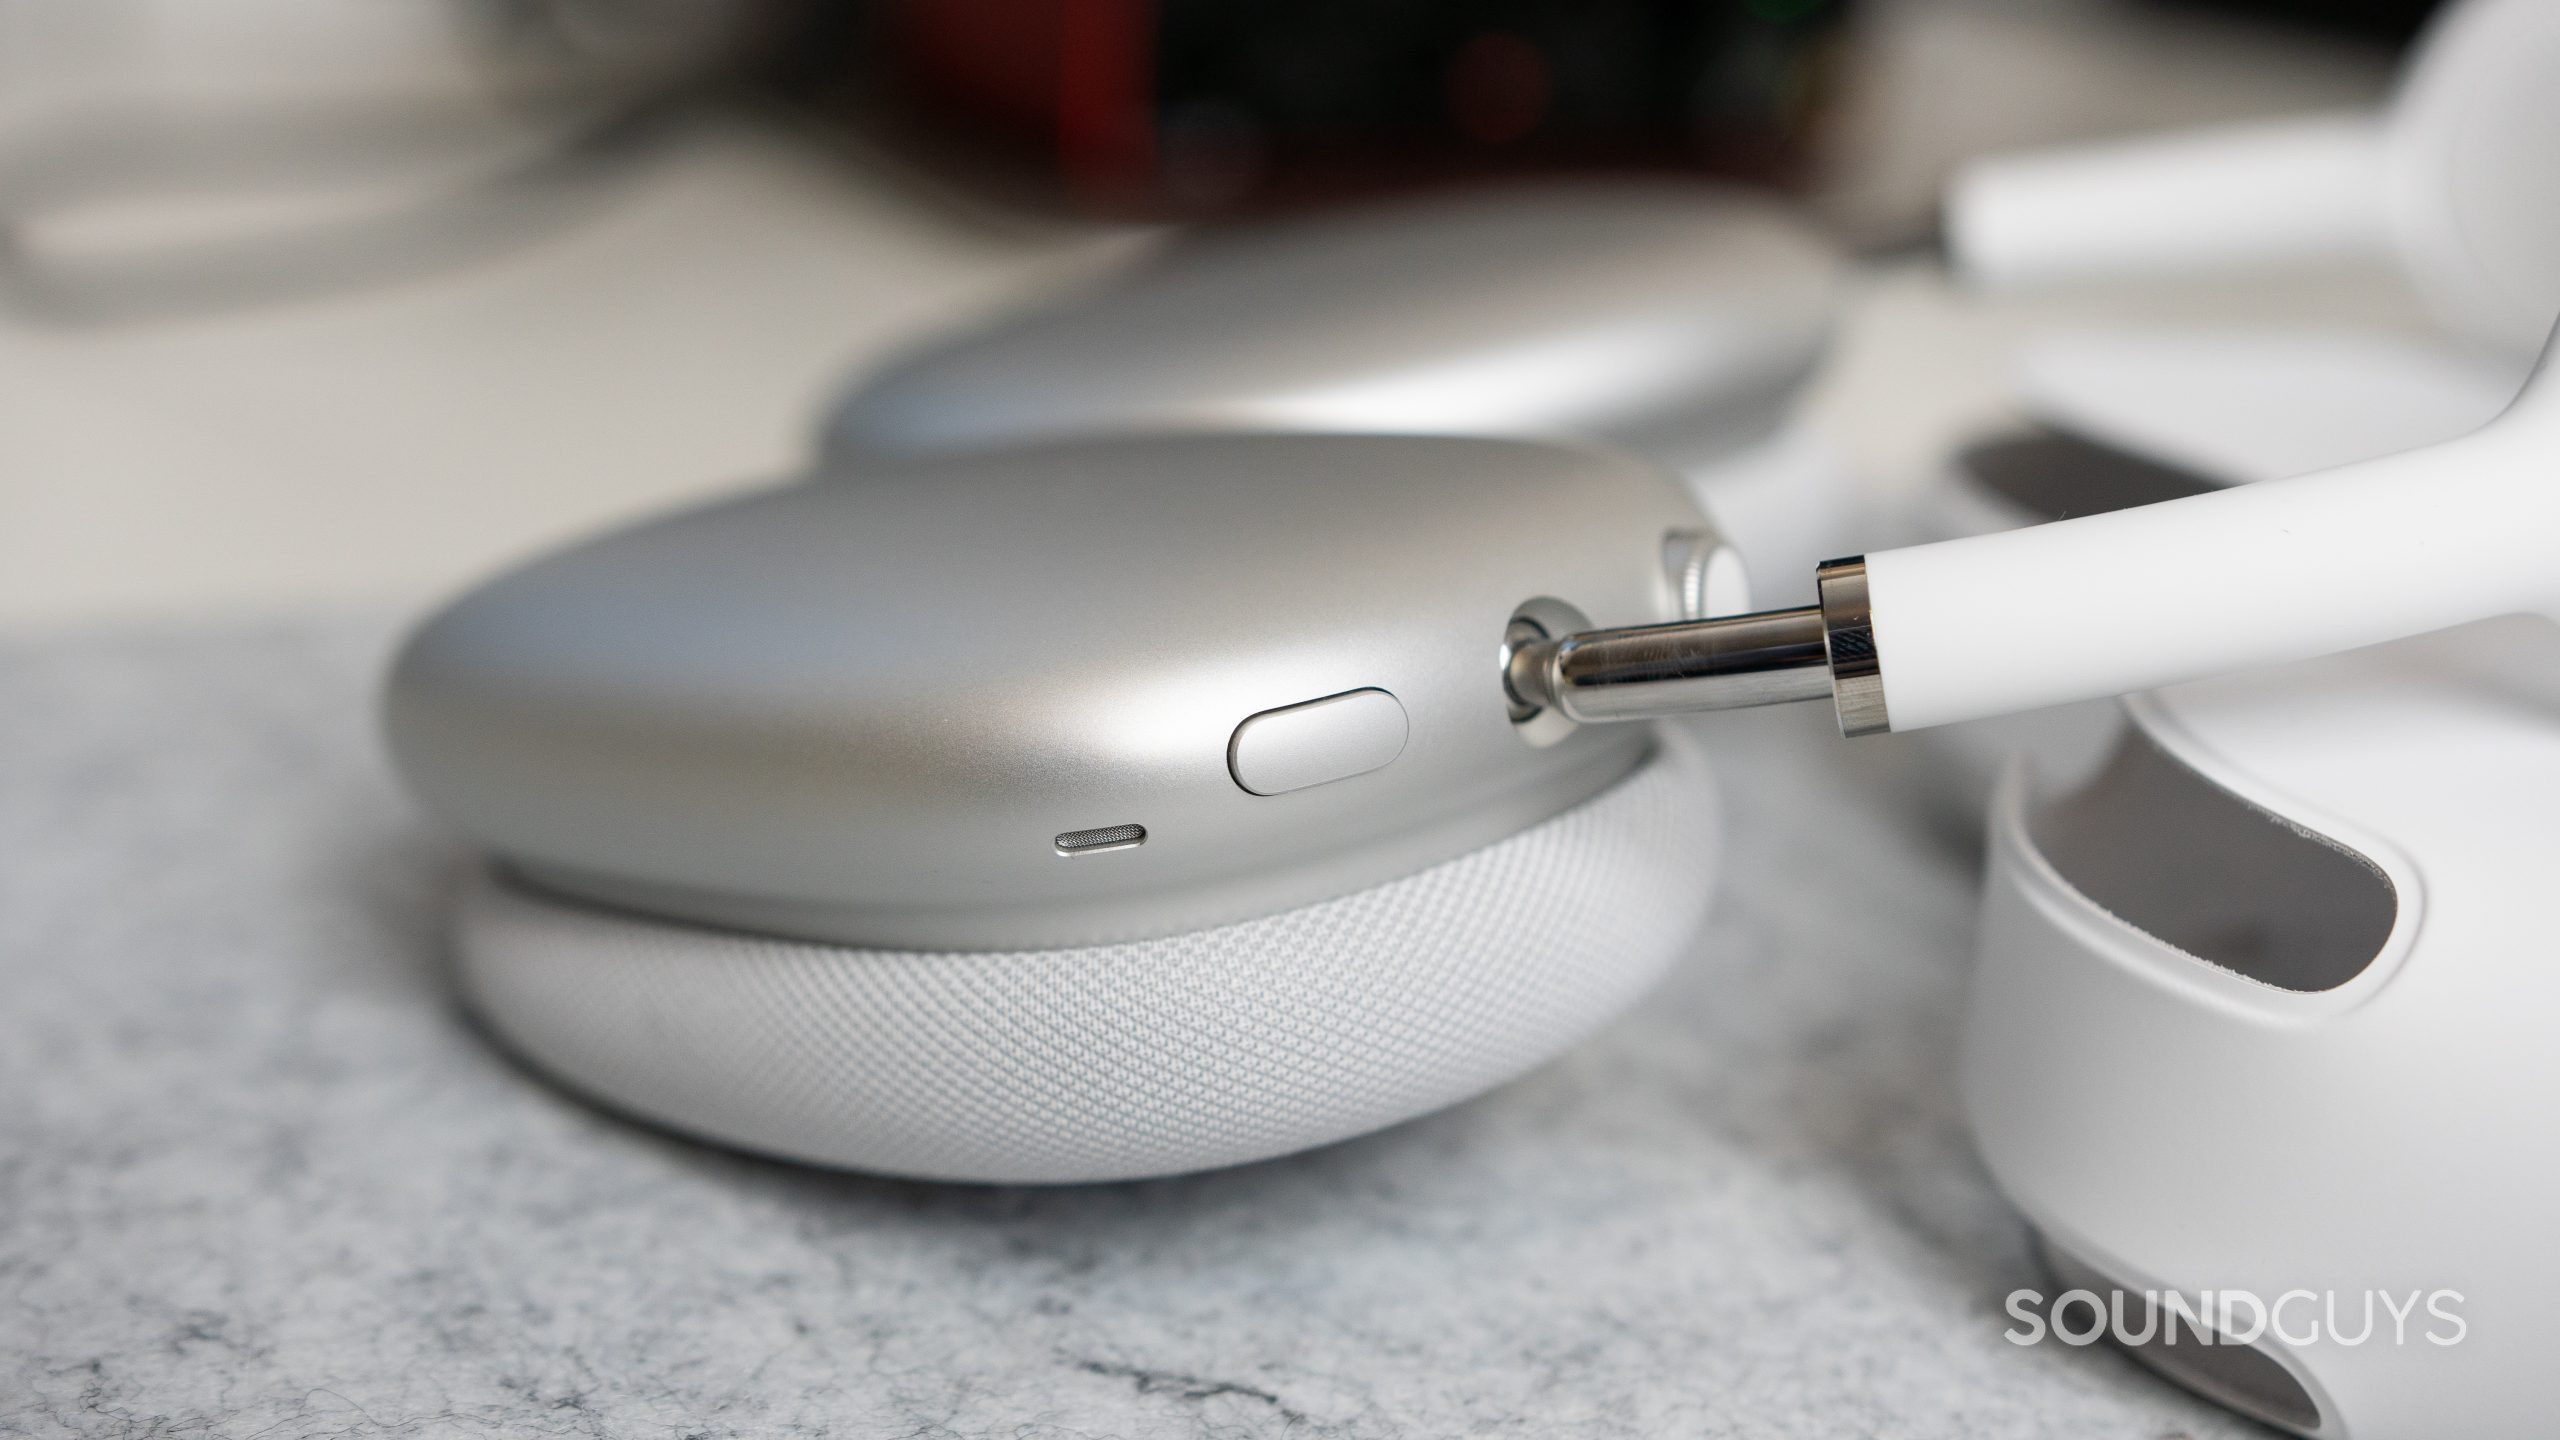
x: 1332, y: 738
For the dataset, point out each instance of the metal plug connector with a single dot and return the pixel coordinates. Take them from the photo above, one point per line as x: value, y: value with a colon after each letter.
x: 1774, y: 657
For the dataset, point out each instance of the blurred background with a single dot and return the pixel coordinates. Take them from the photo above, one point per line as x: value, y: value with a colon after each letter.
x: 308, y: 304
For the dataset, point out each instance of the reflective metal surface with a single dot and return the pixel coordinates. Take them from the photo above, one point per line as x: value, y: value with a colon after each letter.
x: 1675, y: 318
x: 1708, y: 573
x: 1849, y: 639
x: 868, y: 711
x: 1318, y: 742
x: 1656, y: 670
x: 1651, y: 671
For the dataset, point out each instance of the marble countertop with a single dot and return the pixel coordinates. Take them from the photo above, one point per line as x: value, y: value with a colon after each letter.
x: 259, y: 1177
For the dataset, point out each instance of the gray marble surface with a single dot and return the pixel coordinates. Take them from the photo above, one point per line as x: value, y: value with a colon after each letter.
x: 259, y: 1178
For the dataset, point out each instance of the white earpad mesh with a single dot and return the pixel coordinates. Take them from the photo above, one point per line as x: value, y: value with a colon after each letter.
x: 1114, y: 1061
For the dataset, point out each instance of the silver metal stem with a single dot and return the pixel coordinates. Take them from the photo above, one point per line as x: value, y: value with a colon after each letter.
x: 1645, y: 672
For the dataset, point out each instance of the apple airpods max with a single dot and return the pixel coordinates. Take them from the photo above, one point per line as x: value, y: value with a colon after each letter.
x: 915, y: 739
x: 1047, y: 804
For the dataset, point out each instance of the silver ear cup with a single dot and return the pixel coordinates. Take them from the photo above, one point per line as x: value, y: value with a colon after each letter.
x: 1105, y: 1062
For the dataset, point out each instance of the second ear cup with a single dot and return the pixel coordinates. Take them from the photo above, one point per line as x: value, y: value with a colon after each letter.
x: 1108, y: 1062
x: 1678, y: 321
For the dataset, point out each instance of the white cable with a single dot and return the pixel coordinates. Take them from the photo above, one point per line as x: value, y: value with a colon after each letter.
x: 2257, y: 575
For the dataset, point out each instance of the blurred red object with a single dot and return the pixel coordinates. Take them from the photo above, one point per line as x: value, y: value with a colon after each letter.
x: 1173, y: 107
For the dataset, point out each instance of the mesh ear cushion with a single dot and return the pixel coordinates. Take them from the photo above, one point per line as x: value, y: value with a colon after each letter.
x: 1114, y: 1061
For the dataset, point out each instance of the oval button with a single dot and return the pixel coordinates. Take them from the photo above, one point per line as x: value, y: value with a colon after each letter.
x: 1335, y: 738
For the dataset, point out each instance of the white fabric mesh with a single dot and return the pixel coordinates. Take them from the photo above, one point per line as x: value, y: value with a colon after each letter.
x: 1114, y: 1061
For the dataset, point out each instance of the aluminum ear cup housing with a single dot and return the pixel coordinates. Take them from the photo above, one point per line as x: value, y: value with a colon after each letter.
x: 2264, y: 1004
x: 1678, y: 320
x: 1114, y: 716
